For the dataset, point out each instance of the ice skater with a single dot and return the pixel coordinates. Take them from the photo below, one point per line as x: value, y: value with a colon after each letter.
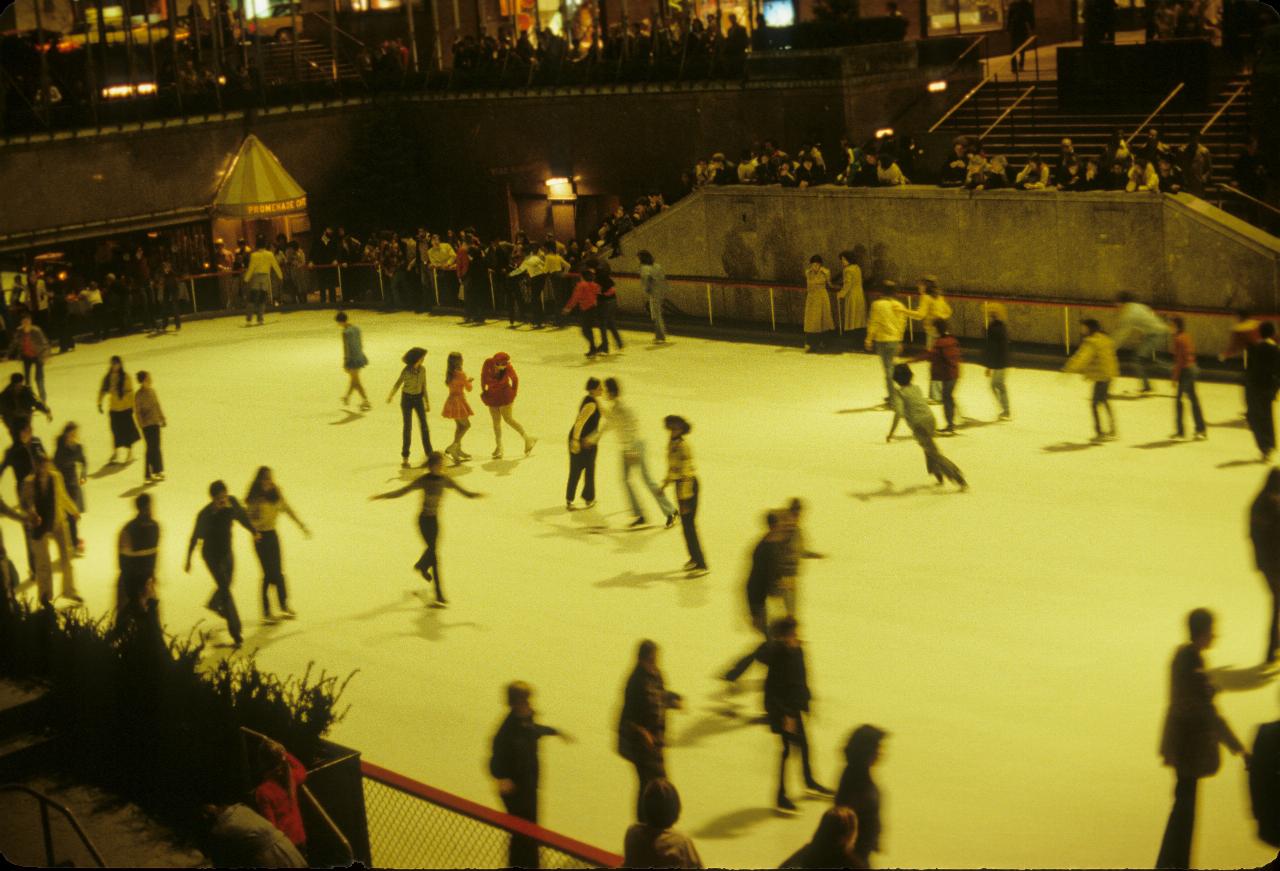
x: 886, y: 322
x: 136, y: 549
x: 257, y: 279
x: 786, y: 700
x: 944, y: 369
x: 213, y: 532
x: 653, y: 281
x: 1264, y: 532
x: 117, y: 387
x: 432, y: 485
x: 1095, y: 359
x: 642, y: 728
x: 32, y: 347
x: 456, y: 407
x: 858, y: 790
x: 1138, y: 321
x: 146, y: 407
x: 584, y: 437
x: 514, y: 765
x: 353, y: 360
x: 622, y: 420
x: 18, y: 403
x: 794, y: 549
x: 585, y: 298
x: 764, y: 579
x: 682, y: 475
x: 910, y: 405
x: 498, y: 387
x: 1193, y: 729
x: 49, y: 509
x: 1261, y: 379
x: 995, y: 356
x: 264, y: 503
x: 69, y: 460
x: 412, y: 385
x: 1184, y: 375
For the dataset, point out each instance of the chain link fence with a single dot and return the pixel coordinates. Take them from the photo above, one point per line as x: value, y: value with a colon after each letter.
x: 412, y: 825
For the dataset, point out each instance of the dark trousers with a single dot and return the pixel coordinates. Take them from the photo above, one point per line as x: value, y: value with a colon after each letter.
x: 531, y: 300
x: 29, y: 363
x: 1273, y: 636
x: 410, y: 405
x: 429, y: 526
x: 801, y: 741
x: 608, y: 309
x: 582, y: 464
x: 523, y: 803
x: 154, y: 464
x: 222, y: 567
x: 1175, y: 849
x: 326, y: 279
x: 268, y: 548
x: 688, y: 513
x: 475, y: 293
x: 512, y: 298
x: 647, y: 770
x: 175, y: 306
x: 949, y: 402
x: 1101, y: 399
x: 1261, y: 421
x: 588, y: 321
x: 741, y: 666
x: 1187, y: 388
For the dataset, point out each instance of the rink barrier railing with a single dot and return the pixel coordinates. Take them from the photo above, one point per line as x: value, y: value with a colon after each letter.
x: 362, y: 278
x: 413, y: 825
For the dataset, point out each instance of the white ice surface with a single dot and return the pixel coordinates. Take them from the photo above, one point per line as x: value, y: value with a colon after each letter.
x: 1014, y: 640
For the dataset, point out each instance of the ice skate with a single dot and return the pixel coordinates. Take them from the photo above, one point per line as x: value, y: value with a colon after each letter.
x: 288, y: 614
x: 639, y: 521
x: 786, y: 806
x: 497, y: 454
x: 404, y: 463
x: 671, y: 521
x: 1201, y: 436
x: 528, y: 445
x: 365, y: 405
x: 815, y: 788
x: 591, y: 503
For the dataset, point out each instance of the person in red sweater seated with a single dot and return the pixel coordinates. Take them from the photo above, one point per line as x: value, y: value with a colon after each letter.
x: 277, y: 795
x: 585, y: 296
x: 944, y: 367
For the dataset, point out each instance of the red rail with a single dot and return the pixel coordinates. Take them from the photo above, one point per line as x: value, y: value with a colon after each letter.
x: 466, y: 807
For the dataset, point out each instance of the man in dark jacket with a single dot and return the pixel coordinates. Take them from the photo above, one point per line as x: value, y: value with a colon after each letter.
x: 1264, y: 782
x: 643, y: 724
x: 766, y: 574
x: 995, y: 356
x: 17, y: 403
x: 1261, y: 378
x: 514, y: 764
x: 1193, y: 729
x: 786, y: 701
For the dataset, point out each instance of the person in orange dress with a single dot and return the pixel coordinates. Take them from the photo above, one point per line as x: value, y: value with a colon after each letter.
x: 456, y: 408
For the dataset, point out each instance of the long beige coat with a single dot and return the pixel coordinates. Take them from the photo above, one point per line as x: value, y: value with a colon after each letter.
x: 817, y: 301
x: 853, y: 299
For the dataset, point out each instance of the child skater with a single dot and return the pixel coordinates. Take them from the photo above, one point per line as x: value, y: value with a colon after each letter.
x: 432, y: 486
x: 909, y: 404
x: 456, y: 408
x: 412, y: 385
x: 498, y: 386
x: 353, y: 360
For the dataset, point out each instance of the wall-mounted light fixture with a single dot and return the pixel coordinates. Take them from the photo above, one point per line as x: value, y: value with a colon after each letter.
x: 938, y: 87
x: 883, y: 132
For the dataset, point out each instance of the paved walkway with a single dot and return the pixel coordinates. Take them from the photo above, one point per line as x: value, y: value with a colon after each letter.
x: 1002, y: 66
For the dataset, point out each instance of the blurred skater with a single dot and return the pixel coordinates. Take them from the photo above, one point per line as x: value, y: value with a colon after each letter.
x: 1150, y: 333
x: 117, y: 386
x: 794, y: 548
x: 858, y: 790
x: 1095, y: 359
x: 69, y: 460
x: 944, y: 369
x: 586, y: 298
x: 136, y: 549
x: 786, y: 700
x: 1264, y: 532
x: 412, y: 385
x: 146, y: 407
x: 262, y: 265
x: 1184, y: 375
x: 932, y: 310
x: 886, y: 323
x: 651, y: 842
x: 18, y: 403
x: 995, y: 356
x: 31, y: 347
x: 1261, y: 378
x: 432, y: 485
x: 622, y: 420
x: 832, y: 845
x: 514, y: 765
x: 353, y: 360
x: 607, y: 310
x: 213, y: 532
x: 498, y: 387
x: 642, y: 728
x: 584, y: 438
x: 48, y: 509
x: 264, y: 503
x: 764, y: 579
x: 1193, y: 729
x: 682, y: 474
x: 456, y: 407
x: 911, y: 406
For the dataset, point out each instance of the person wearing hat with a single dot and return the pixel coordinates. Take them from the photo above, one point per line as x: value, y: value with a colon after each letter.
x: 817, y: 305
x: 1095, y: 359
x: 885, y: 325
x: 858, y: 791
x: 412, y: 385
x: 498, y: 386
x: 995, y: 355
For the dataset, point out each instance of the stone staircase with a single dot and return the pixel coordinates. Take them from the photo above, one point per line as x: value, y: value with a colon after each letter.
x: 1037, y: 125
x: 315, y: 63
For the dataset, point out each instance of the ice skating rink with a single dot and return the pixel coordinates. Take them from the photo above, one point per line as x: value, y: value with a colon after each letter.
x: 1014, y: 640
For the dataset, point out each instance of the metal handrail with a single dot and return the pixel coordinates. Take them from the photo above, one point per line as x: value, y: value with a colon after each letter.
x: 961, y: 102
x: 1257, y: 202
x: 1005, y: 113
x: 336, y: 29
x: 1223, y: 108
x: 1155, y: 112
x: 977, y: 41
x: 1035, y: 54
x: 45, y: 804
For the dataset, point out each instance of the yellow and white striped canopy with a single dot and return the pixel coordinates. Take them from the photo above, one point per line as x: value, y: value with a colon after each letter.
x: 257, y: 185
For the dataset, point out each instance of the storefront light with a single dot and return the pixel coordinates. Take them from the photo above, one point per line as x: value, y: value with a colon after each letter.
x: 937, y: 87
x: 883, y: 132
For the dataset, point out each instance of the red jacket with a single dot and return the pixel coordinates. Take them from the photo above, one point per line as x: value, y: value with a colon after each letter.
x: 944, y: 359
x: 280, y: 805
x: 462, y: 263
x: 498, y: 391
x: 1184, y: 354
x: 585, y: 295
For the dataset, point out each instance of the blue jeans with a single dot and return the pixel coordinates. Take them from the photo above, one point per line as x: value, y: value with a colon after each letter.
x: 999, y: 389
x: 1187, y: 388
x: 1145, y: 354
x: 887, y: 351
x: 655, y: 314
x: 635, y: 459
x: 38, y: 365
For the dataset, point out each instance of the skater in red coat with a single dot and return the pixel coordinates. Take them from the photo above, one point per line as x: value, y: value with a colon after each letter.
x: 498, y: 387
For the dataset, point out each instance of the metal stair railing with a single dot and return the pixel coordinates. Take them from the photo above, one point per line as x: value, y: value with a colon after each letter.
x: 1005, y: 114
x: 1032, y: 40
x: 1223, y: 108
x: 972, y: 91
x: 45, y: 804
x: 1158, y: 109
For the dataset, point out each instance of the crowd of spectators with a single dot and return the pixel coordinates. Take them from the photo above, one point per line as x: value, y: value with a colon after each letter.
x: 885, y: 161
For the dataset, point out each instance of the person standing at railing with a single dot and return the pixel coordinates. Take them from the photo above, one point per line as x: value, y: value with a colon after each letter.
x: 886, y: 324
x: 817, y: 305
x: 277, y: 794
x: 257, y: 278
x: 995, y: 355
x: 1096, y: 360
x: 853, y: 301
x: 443, y: 260
x: 653, y: 281
x: 514, y: 765
x: 324, y: 253
x: 295, y: 271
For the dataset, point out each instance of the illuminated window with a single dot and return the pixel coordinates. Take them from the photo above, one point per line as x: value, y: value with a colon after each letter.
x: 779, y: 13
x: 965, y: 16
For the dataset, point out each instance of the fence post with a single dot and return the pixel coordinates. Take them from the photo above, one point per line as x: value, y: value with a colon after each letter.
x: 773, y: 319
x: 709, y: 318
x: 195, y: 309
x: 381, y: 290
x: 342, y: 294
x: 435, y: 286
x: 1066, y: 328
x: 493, y: 296
x: 986, y: 321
